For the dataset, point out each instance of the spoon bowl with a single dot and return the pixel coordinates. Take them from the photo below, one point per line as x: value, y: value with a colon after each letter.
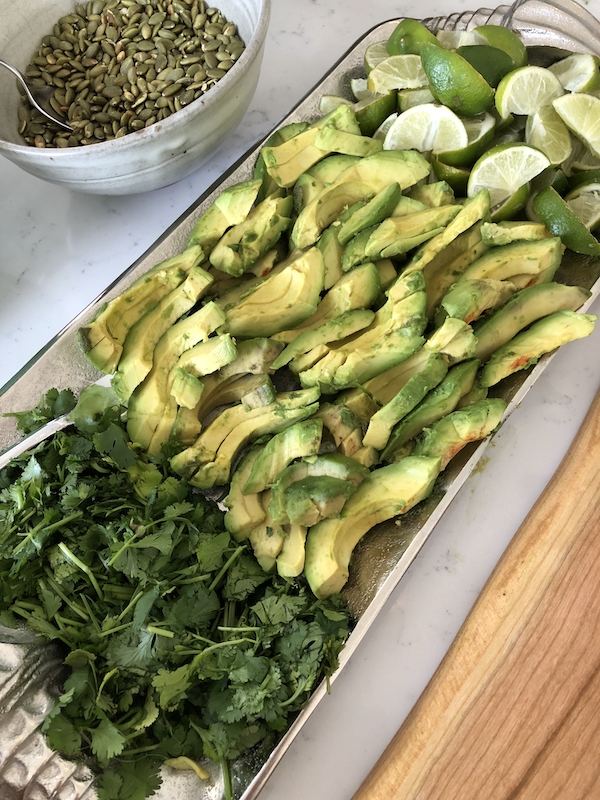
x: 38, y: 96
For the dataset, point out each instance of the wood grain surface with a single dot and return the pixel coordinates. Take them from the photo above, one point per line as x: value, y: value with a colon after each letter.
x: 513, y: 711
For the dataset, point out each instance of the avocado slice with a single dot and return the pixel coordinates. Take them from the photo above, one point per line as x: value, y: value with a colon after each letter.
x: 204, y: 450
x: 434, y: 195
x: 342, y: 424
x: 138, y: 348
x: 447, y: 437
x: 148, y: 402
x: 333, y: 465
x: 332, y: 251
x: 330, y: 331
x: 260, y: 395
x: 355, y: 251
x: 454, y: 339
x: 307, y: 360
x: 371, y: 213
x: 356, y: 289
x: 385, y: 493
x: 439, y: 402
x: 244, y: 511
x: 387, y: 272
x: 103, y: 337
x: 287, y: 161
x: 476, y: 394
x: 267, y: 539
x: 305, y: 188
x: 231, y: 207
x: 298, y: 441
x: 526, y: 347
x: 312, y: 499
x: 284, y: 298
x: 413, y: 391
x: 468, y: 299
x: 525, y: 307
x: 186, y: 388
x: 238, y: 250
x: 495, y: 234
x: 531, y: 258
x: 367, y: 456
x: 329, y: 169
x: 397, y: 235
x: 350, y: 144
x: 290, y: 561
x: 268, y: 185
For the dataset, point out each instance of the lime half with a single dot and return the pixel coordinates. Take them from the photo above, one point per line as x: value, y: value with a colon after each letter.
x: 578, y: 72
x: 427, y: 128
x: 581, y: 113
x: 397, y: 72
x: 546, y: 131
x: 526, y: 90
x: 504, y: 169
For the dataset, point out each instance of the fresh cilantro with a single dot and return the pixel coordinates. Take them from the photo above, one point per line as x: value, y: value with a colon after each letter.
x: 53, y: 405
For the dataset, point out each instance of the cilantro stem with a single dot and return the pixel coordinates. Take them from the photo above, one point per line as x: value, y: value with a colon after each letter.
x: 139, y: 750
x: 73, y: 606
x: 70, y: 556
x: 130, y: 605
x: 236, y: 554
x: 227, y: 785
x: 47, y: 529
x: 115, y: 629
x: 217, y: 646
x: 295, y: 695
x: 159, y: 631
x: 187, y: 581
x: 238, y: 628
x: 140, y: 531
x: 92, y: 616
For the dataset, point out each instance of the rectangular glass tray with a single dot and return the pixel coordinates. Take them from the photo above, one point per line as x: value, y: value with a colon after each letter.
x: 384, y: 555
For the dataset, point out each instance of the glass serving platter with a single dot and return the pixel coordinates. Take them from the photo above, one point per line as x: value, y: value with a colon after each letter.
x: 30, y: 670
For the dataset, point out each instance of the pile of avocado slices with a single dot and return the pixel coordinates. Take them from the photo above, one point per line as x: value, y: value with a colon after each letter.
x: 325, y: 343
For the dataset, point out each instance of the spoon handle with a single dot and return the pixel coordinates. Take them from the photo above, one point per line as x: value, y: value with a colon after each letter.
x: 33, y: 100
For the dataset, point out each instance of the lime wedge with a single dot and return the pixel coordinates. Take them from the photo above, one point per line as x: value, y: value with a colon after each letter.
x: 546, y: 131
x: 382, y: 130
x: 397, y: 72
x: 480, y: 131
x: 407, y: 98
x: 329, y: 102
x: 560, y: 220
x: 456, y: 177
x: 584, y: 202
x: 373, y: 110
x: 374, y: 54
x: 512, y: 205
x: 451, y: 40
x: 454, y: 82
x: 525, y: 90
x: 358, y: 87
x: 581, y: 114
x: 504, y: 39
x: 504, y: 169
x: 578, y: 72
x: 408, y: 36
x: 491, y: 62
x: 427, y: 128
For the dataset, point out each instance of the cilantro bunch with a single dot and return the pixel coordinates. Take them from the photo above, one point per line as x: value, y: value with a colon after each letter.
x: 177, y: 643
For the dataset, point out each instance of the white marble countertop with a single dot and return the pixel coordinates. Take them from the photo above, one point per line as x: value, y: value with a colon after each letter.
x: 58, y: 250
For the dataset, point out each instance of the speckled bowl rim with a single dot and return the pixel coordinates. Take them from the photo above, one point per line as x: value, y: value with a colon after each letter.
x: 170, y: 123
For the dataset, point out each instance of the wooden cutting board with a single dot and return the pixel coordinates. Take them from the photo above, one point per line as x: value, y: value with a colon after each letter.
x: 513, y: 711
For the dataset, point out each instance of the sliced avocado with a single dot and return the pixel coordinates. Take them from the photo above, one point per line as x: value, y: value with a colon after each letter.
x: 355, y: 251
x: 495, y: 234
x: 261, y: 395
x: 447, y: 437
x: 356, y: 289
x: 518, y: 258
x: 231, y: 207
x: 467, y: 300
x: 286, y: 298
x: 350, y: 144
x: 521, y: 310
x: 290, y: 561
x: 204, y: 450
x: 385, y: 493
x: 439, y: 402
x: 103, y: 337
x: 330, y: 331
x: 186, y: 389
x: 312, y: 499
x: 433, y: 194
x: 326, y: 207
x: 305, y: 188
x: 385, y: 386
x: 413, y: 391
x: 148, y: 402
x: 240, y: 247
x: 267, y: 262
x: 454, y: 339
x: 268, y: 185
x: 332, y: 251
x: 476, y: 394
x: 244, y: 511
x: 331, y: 167
x: 340, y: 421
x: 287, y: 161
x: 387, y: 272
x: 308, y: 360
x: 371, y: 213
x: 407, y: 205
x: 266, y: 539
x: 367, y: 456
x: 138, y: 348
x: 300, y: 440
x: 472, y: 210
x: 249, y: 282
x: 396, y: 235
x: 332, y: 465
x: 524, y: 349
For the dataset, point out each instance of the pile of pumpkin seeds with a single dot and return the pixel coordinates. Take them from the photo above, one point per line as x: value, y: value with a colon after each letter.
x: 119, y: 66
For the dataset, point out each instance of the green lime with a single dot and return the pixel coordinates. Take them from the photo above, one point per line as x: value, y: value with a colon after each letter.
x: 549, y: 177
x: 407, y: 98
x: 374, y: 54
x: 525, y: 90
x: 504, y: 169
x: 397, y: 72
x: 581, y: 114
x: 382, y: 130
x: 372, y: 111
x: 584, y: 202
x: 455, y: 176
x: 427, y: 128
x: 454, y: 82
x: 546, y: 131
x: 480, y: 131
x: 504, y: 39
x: 329, y: 102
x: 560, y: 220
x: 582, y: 178
x: 512, y: 205
x: 489, y: 61
x: 408, y: 37
x: 578, y: 72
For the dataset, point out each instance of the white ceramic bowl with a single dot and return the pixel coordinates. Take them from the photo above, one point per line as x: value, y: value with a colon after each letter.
x: 147, y: 159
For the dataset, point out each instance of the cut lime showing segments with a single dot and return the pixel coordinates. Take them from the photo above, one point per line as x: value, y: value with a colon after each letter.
x: 372, y: 111
x: 504, y: 169
x: 546, y: 131
x: 480, y: 131
x: 456, y: 177
x: 525, y: 90
x: 397, y: 72
x: 454, y: 82
x: 584, y: 202
x: 578, y: 72
x: 581, y: 114
x: 512, y: 205
x: 374, y: 54
x: 427, y: 128
x: 560, y: 220
x: 407, y: 98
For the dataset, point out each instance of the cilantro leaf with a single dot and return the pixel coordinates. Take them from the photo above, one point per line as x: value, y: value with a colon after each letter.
x: 107, y: 741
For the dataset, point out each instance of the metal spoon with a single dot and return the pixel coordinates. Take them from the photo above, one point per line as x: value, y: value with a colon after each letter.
x: 39, y: 97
